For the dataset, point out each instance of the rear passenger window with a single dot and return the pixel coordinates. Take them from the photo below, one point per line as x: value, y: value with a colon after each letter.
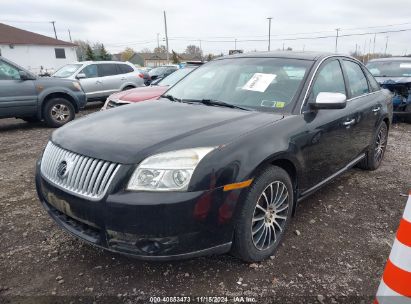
x: 330, y: 79
x: 125, y: 68
x: 107, y: 69
x: 373, y: 83
x: 356, y: 79
x: 90, y: 71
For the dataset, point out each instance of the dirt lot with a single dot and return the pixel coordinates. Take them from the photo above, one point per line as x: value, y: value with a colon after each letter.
x: 344, y: 236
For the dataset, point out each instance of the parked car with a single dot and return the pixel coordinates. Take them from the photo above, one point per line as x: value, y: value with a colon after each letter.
x: 221, y: 161
x: 100, y: 79
x: 161, y: 72
x: 31, y: 98
x: 153, y: 91
x: 144, y: 74
x: 394, y: 74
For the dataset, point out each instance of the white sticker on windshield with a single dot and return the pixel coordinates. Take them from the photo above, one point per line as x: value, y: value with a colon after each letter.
x: 405, y: 65
x: 259, y: 82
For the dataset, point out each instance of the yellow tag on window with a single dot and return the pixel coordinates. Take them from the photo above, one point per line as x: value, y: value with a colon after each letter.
x: 280, y: 104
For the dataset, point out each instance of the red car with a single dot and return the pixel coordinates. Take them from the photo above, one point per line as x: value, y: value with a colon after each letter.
x: 145, y: 93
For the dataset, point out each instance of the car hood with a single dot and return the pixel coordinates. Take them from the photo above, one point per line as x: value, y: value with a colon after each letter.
x: 140, y: 94
x: 130, y: 133
x: 53, y: 81
x: 393, y: 80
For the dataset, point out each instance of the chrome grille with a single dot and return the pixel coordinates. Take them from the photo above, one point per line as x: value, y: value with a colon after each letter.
x: 81, y: 175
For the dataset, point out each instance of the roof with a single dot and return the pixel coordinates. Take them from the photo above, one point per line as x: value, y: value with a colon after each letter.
x: 398, y: 58
x: 13, y: 35
x: 283, y: 54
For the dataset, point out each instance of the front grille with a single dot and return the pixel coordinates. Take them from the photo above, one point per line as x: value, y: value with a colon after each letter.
x: 80, y: 175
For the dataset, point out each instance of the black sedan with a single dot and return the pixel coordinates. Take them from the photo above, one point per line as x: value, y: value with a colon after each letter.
x: 220, y: 161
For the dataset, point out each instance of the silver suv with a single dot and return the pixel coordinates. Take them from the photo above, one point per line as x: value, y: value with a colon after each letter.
x: 100, y: 79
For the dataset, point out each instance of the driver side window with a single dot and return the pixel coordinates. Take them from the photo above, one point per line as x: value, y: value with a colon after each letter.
x: 8, y: 72
x: 90, y: 71
x: 329, y: 79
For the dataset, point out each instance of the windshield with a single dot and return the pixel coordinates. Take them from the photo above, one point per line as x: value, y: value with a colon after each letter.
x: 390, y: 68
x: 265, y: 84
x: 175, y: 77
x: 157, y: 71
x: 67, y: 70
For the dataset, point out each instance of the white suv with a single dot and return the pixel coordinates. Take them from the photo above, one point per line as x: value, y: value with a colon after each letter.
x: 100, y: 79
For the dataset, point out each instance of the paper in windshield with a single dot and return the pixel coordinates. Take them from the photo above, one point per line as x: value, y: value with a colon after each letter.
x: 259, y: 82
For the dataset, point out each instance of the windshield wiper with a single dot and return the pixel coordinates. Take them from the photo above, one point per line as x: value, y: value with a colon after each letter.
x: 170, y: 97
x: 214, y: 102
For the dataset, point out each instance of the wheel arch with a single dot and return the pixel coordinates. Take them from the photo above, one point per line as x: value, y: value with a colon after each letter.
x: 50, y: 96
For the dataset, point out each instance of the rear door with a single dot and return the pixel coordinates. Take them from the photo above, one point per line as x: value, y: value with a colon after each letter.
x: 92, y: 85
x: 17, y: 97
x: 363, y: 103
x: 110, y: 77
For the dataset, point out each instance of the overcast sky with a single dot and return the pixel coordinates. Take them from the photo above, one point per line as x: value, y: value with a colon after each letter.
x: 135, y: 23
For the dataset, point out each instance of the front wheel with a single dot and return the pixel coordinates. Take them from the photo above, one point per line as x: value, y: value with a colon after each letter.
x: 375, y: 154
x: 58, y: 112
x: 264, y: 216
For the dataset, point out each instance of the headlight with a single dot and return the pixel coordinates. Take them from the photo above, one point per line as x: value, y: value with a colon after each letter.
x: 76, y: 85
x: 169, y: 171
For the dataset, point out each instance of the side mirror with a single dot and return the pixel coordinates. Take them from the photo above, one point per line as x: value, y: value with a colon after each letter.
x: 329, y: 100
x: 81, y: 76
x: 25, y: 76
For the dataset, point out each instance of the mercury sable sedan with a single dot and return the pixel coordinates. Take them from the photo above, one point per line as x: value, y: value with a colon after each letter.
x: 220, y: 161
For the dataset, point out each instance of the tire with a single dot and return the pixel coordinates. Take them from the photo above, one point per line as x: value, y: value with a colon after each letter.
x: 407, y: 117
x: 128, y: 88
x: 375, y: 154
x: 254, y: 224
x: 57, y: 112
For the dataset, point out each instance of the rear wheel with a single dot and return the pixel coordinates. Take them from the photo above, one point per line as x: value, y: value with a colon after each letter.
x: 375, y: 154
x: 264, y: 216
x: 57, y: 112
x: 128, y: 88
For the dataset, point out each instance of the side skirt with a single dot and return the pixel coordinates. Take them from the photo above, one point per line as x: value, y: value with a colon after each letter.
x: 310, y: 191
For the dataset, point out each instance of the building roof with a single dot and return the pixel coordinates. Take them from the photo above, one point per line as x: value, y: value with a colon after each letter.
x: 13, y: 35
x: 397, y: 58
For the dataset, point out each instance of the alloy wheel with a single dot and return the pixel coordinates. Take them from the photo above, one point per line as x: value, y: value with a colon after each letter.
x: 60, y: 112
x: 380, y: 144
x: 270, y: 215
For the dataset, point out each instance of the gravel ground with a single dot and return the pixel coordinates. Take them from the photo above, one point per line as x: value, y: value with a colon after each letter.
x: 334, y: 251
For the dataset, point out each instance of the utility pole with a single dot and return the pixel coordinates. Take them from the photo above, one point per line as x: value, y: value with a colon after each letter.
x: 283, y: 46
x: 165, y: 28
x: 386, y: 45
x: 69, y: 35
x: 158, y: 40
x: 54, y: 27
x: 269, y: 33
x: 336, y: 40
x: 356, y: 50
x: 235, y: 43
x: 373, y: 48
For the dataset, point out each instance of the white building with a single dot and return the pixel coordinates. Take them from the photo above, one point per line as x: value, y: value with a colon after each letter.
x: 37, y: 53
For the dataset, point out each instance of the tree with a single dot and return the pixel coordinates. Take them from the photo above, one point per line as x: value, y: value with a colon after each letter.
x: 193, y: 50
x: 127, y: 54
x: 89, y: 55
x: 104, y: 55
x: 146, y: 50
x: 175, y: 58
x: 81, y: 49
x: 210, y: 57
x: 160, y: 50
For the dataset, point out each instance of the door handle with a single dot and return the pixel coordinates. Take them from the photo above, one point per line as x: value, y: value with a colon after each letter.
x: 123, y: 78
x: 349, y: 122
x: 377, y: 109
x: 98, y: 82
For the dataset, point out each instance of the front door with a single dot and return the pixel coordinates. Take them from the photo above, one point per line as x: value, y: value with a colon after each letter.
x: 92, y: 84
x: 328, y: 134
x: 17, y: 97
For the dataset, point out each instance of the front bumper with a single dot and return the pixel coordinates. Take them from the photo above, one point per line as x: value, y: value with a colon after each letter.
x: 81, y: 99
x: 152, y: 226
